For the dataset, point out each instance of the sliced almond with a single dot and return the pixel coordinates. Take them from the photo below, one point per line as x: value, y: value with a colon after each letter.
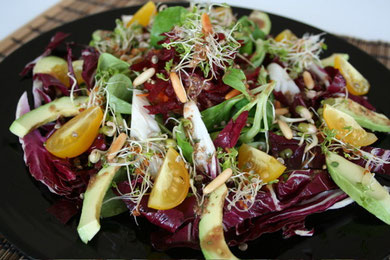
x: 232, y: 94
x: 218, y: 181
x: 286, y: 130
x: 281, y: 111
x: 116, y: 145
x: 207, y: 28
x: 308, y: 80
x: 178, y: 87
x: 144, y: 76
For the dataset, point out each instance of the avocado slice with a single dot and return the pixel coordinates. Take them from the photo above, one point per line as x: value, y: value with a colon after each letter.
x: 360, y: 185
x: 262, y: 20
x: 46, y: 113
x: 212, y: 240
x: 329, y: 61
x: 98, y: 185
x: 365, y: 117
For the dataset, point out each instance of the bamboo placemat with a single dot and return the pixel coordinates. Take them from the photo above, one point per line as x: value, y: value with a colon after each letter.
x: 68, y: 10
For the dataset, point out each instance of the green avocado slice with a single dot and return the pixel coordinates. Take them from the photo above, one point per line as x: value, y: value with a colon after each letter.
x: 360, y: 185
x: 46, y: 113
x: 98, y: 185
x: 365, y: 117
x: 212, y: 240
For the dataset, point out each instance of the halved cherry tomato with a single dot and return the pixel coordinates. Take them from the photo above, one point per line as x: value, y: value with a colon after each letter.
x: 285, y: 35
x: 76, y: 135
x: 172, y: 183
x: 347, y: 128
x: 356, y: 83
x: 144, y: 14
x: 252, y: 159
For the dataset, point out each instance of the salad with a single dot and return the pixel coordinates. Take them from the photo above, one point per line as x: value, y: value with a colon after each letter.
x: 203, y: 123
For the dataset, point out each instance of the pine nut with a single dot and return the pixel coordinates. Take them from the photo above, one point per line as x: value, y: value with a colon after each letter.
x: 206, y: 24
x: 286, y: 130
x: 218, y: 181
x: 116, y: 145
x: 232, y: 94
x: 178, y: 87
x: 281, y: 111
x: 309, y: 82
x: 143, y: 77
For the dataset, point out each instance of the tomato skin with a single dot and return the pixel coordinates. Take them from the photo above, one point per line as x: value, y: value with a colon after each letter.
x: 172, y: 183
x: 356, y: 83
x: 76, y: 135
x: 144, y: 14
x: 252, y: 159
x: 347, y: 129
x: 285, y: 35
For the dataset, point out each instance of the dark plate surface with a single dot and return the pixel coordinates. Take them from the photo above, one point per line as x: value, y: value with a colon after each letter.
x: 347, y: 233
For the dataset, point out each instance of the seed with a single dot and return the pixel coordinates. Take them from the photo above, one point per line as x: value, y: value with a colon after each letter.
x: 309, y: 82
x: 154, y: 59
x: 280, y: 159
x: 311, y: 94
x: 232, y: 93
x: 243, y: 246
x: 281, y: 111
x: 286, y: 153
x: 307, y: 128
x: 178, y: 87
x: 303, y: 112
x: 144, y: 76
x: 286, y: 130
x: 218, y: 181
x: 94, y: 156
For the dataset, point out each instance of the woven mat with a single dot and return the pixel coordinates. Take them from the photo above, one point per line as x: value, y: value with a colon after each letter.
x: 68, y: 10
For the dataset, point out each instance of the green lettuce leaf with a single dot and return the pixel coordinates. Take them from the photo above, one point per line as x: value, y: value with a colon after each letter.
x: 119, y: 93
x: 236, y: 78
x: 165, y: 21
x: 183, y: 142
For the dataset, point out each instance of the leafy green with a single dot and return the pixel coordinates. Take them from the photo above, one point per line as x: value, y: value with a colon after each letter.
x: 259, y: 55
x: 119, y: 93
x: 221, y: 112
x: 236, y: 78
x: 112, y: 207
x: 183, y: 142
x: 261, y: 119
x: 109, y: 65
x: 229, y: 159
x: 165, y: 21
x: 248, y: 33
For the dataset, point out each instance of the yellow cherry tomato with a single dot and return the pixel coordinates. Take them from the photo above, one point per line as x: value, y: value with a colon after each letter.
x: 144, y: 14
x: 76, y: 135
x: 285, y: 35
x: 347, y: 129
x: 252, y: 159
x: 172, y: 183
x: 356, y: 83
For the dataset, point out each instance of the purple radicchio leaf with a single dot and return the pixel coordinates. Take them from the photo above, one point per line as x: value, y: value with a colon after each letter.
x: 228, y: 137
x: 90, y: 57
x: 48, y: 82
x: 72, y: 78
x: 299, y: 185
x: 56, y: 40
x: 57, y: 174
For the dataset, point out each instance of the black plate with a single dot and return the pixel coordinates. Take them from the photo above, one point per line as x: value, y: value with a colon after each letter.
x: 347, y: 233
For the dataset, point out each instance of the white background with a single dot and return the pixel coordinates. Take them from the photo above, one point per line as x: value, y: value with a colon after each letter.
x: 366, y: 19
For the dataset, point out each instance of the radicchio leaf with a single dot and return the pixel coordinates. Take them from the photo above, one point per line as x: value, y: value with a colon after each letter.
x: 228, y: 137
x: 72, y: 78
x: 56, y: 40
x: 90, y: 57
x: 48, y: 82
x: 64, y: 209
